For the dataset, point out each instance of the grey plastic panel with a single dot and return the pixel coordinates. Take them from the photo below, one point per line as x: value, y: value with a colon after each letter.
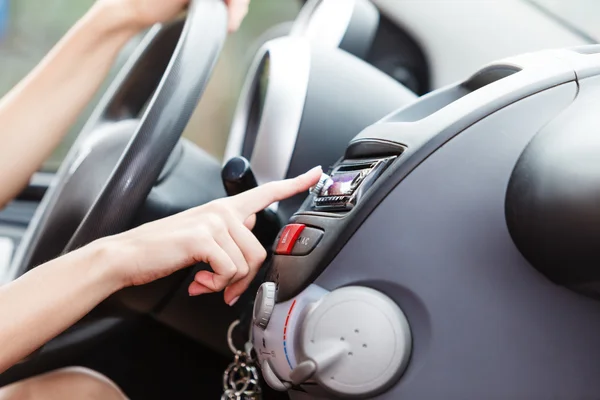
x: 452, y: 105
x: 485, y: 323
x: 552, y: 199
x: 580, y: 15
x: 459, y: 36
x: 422, y: 136
x: 344, y: 95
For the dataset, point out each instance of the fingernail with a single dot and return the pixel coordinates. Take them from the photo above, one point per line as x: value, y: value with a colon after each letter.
x: 319, y: 168
x: 197, y: 290
x: 232, y: 302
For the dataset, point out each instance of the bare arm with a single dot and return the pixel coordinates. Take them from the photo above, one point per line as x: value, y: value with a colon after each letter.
x: 37, y: 113
x: 50, y: 298
x: 33, y: 119
x: 44, y: 302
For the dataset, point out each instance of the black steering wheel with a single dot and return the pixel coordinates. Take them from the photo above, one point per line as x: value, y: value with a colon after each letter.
x: 127, y: 142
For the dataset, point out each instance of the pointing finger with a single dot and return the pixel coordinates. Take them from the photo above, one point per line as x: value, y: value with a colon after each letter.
x: 255, y: 200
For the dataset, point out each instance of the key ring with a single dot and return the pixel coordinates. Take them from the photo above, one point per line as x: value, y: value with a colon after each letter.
x: 240, y: 379
x: 230, y: 343
x: 247, y: 348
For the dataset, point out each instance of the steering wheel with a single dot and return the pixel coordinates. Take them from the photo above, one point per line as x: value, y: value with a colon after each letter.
x: 128, y: 140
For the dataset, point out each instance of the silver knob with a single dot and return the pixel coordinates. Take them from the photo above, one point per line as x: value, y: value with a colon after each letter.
x: 321, y: 184
x: 264, y: 304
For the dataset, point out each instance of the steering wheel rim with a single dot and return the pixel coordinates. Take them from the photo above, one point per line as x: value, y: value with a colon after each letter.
x: 147, y: 152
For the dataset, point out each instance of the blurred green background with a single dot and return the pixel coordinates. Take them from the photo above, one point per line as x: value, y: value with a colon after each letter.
x: 34, y: 26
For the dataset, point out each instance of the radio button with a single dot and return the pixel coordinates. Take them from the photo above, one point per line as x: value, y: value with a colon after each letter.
x: 307, y: 241
x: 288, y: 238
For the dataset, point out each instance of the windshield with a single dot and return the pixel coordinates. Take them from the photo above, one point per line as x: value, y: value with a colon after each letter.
x: 29, y: 29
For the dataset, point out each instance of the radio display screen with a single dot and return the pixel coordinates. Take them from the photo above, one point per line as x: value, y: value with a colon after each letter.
x: 349, y: 182
x: 343, y: 183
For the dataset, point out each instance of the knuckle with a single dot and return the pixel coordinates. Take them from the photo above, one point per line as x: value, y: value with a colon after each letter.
x: 229, y: 273
x: 199, y: 239
x: 190, y: 248
x: 215, y: 223
x: 262, y: 255
x: 258, y: 256
x: 194, y: 247
x: 243, y: 272
x: 219, y: 207
x: 202, y: 235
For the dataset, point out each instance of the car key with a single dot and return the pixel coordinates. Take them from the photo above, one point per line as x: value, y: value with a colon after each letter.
x: 241, y: 379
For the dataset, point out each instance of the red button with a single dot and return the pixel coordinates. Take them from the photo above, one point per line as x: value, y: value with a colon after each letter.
x: 288, y: 238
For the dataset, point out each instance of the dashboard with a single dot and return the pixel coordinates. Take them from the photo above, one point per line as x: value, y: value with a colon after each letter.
x: 381, y: 297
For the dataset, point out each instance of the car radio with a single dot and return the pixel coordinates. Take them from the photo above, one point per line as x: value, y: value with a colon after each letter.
x: 347, y: 184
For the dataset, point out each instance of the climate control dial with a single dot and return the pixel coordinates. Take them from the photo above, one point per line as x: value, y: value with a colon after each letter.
x: 351, y: 342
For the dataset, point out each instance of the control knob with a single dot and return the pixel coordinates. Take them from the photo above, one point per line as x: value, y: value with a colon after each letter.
x: 325, y: 180
x: 264, y: 304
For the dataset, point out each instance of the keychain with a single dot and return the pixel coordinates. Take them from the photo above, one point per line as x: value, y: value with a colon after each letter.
x: 240, y: 379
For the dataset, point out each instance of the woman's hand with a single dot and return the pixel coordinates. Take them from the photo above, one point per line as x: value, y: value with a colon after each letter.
x: 144, y: 13
x: 218, y: 233
x: 48, y: 299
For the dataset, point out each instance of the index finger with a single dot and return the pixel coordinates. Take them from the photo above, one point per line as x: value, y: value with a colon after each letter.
x: 257, y: 199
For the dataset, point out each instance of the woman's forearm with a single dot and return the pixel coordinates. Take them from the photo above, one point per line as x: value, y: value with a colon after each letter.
x: 48, y: 299
x: 38, y: 112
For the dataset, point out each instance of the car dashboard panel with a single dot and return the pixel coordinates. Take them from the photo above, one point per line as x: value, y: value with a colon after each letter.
x: 432, y: 231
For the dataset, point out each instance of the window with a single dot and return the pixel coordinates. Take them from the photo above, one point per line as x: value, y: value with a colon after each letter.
x: 29, y: 29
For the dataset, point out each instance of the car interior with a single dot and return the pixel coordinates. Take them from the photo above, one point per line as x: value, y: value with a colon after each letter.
x: 449, y: 250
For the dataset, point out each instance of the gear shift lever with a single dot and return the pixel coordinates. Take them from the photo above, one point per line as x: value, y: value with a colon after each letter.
x: 237, y: 178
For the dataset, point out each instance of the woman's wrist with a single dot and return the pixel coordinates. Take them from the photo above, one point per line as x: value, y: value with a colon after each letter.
x: 111, y: 17
x: 106, y: 261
